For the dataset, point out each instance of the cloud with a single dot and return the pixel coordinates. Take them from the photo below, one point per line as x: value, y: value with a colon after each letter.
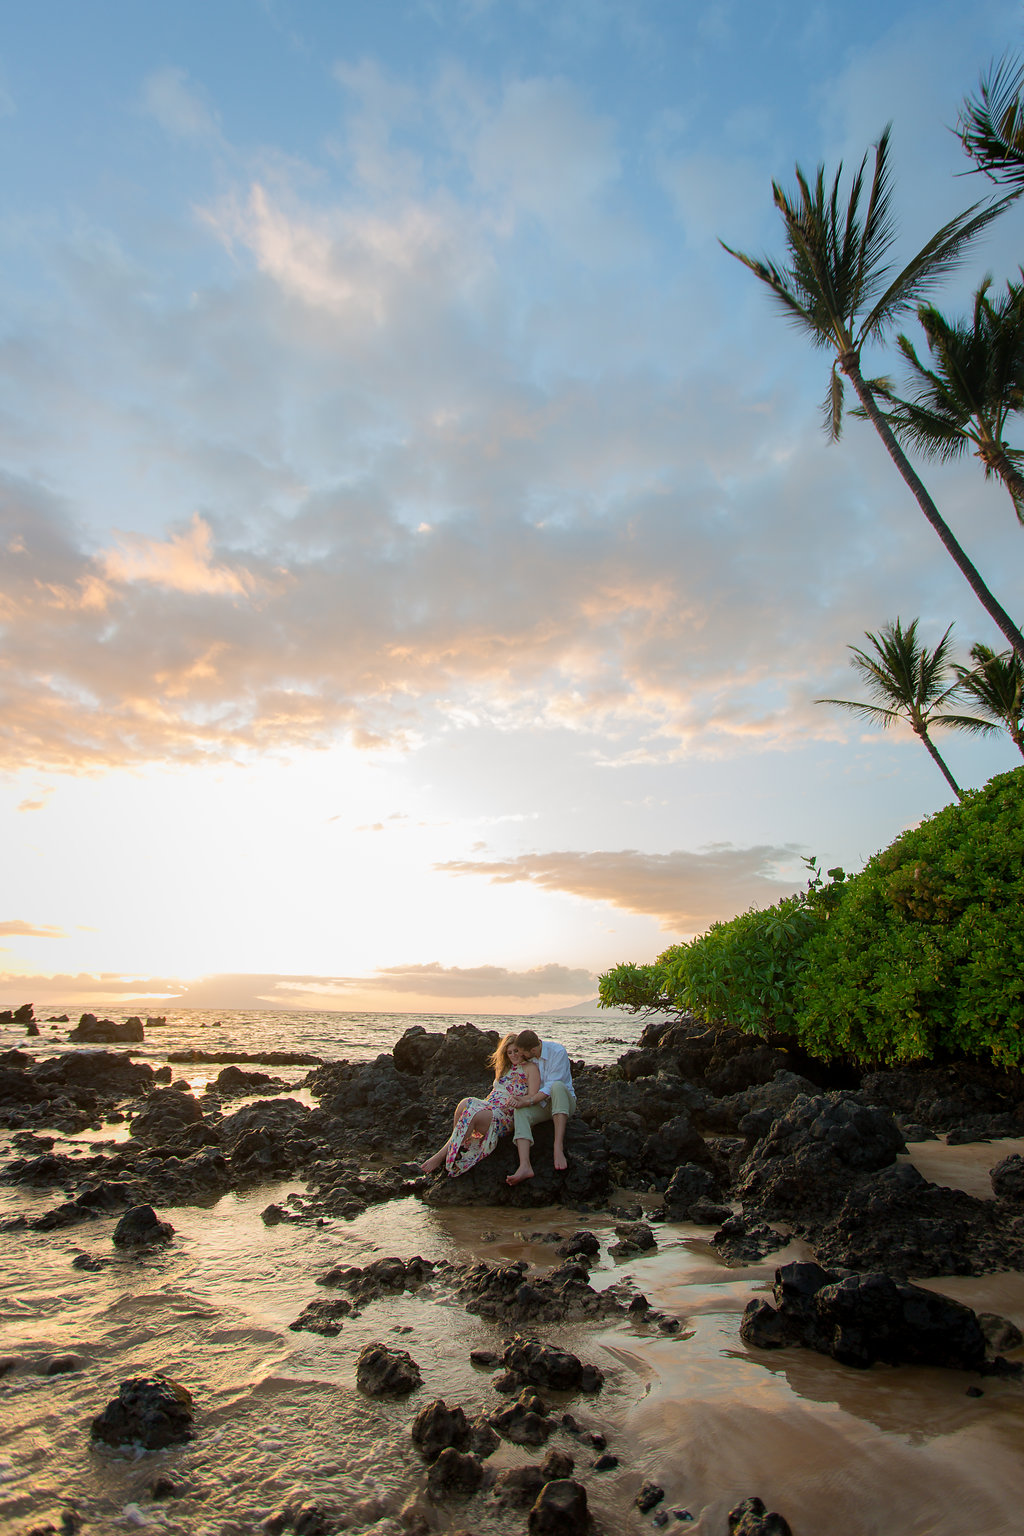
x: 426, y: 493
x: 101, y: 987
x: 178, y: 106
x: 685, y: 891
x: 396, y: 988
x: 16, y: 928
x: 480, y: 980
x: 181, y: 563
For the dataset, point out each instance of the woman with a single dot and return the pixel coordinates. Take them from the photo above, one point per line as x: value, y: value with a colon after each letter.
x: 480, y: 1122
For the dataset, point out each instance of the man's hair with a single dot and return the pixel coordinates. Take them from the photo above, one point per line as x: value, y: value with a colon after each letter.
x: 527, y: 1040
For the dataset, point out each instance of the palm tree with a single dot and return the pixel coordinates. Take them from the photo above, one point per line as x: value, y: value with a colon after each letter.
x: 975, y: 383
x: 995, y: 684
x: 991, y: 124
x: 839, y: 287
x: 909, y: 681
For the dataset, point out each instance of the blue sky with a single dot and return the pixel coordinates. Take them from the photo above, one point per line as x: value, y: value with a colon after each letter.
x: 422, y: 551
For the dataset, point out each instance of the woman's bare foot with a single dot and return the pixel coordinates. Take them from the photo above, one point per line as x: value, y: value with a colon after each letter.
x: 432, y: 1164
x: 560, y: 1163
x: 519, y: 1175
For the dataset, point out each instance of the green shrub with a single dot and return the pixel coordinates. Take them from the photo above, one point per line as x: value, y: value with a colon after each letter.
x: 924, y: 954
x: 745, y: 970
x: 640, y: 988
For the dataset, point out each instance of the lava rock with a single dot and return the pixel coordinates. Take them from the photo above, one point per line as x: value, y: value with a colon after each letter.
x: 859, y: 1319
x: 384, y: 1372
x: 650, y: 1494
x: 751, y: 1518
x: 689, y: 1183
x: 140, y: 1227
x: 1008, y: 1180
x: 560, y: 1510
x: 455, y: 1474
x: 151, y: 1411
x: 105, y: 1032
x: 545, y: 1365
x: 436, y: 1427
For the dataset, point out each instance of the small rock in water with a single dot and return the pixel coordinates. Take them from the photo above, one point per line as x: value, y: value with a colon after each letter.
x: 140, y: 1226
x: 162, y: 1488
x: 88, y: 1261
x: 650, y: 1494
x: 151, y: 1411
x: 752, y: 1519
x: 384, y: 1372
x: 606, y: 1462
x: 60, y: 1365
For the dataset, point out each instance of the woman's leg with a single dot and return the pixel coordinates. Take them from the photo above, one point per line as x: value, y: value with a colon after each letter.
x: 481, y: 1122
x: 433, y: 1163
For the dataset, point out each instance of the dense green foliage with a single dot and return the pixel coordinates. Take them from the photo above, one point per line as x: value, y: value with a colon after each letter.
x: 924, y: 954
x: 919, y: 956
x: 744, y: 970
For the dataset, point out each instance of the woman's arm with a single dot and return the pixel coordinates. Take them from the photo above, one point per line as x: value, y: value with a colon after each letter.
x: 532, y: 1079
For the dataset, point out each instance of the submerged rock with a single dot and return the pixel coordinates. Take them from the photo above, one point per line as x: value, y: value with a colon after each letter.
x: 151, y: 1411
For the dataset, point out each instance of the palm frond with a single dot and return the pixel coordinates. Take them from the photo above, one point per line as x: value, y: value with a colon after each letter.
x: 832, y: 409
x: 967, y: 723
x: 871, y: 712
x: 934, y: 261
x: 991, y: 124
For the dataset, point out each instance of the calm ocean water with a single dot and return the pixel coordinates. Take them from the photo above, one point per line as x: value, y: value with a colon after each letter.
x: 334, y: 1036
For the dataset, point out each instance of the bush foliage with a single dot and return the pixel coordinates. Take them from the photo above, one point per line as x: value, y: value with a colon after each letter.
x: 919, y: 956
x: 924, y: 954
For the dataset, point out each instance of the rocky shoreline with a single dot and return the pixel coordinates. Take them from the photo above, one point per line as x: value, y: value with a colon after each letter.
x: 695, y: 1124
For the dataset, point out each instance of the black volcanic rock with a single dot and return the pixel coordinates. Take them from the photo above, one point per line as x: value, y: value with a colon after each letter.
x: 860, y: 1319
x: 151, y: 1411
x: 384, y: 1372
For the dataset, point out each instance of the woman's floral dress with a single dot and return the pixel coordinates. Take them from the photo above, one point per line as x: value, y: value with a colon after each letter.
x: 464, y: 1152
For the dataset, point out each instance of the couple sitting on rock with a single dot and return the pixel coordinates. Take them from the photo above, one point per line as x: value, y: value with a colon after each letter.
x: 532, y: 1082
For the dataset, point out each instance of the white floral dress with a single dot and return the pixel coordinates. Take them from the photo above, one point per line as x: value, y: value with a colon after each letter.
x: 464, y: 1151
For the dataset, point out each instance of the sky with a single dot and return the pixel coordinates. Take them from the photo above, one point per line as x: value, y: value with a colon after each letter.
x: 421, y: 554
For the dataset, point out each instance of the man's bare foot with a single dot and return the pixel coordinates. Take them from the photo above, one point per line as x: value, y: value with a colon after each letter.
x: 560, y: 1163
x: 519, y: 1175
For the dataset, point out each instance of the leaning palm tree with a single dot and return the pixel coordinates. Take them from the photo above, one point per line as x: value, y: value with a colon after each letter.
x: 840, y: 288
x: 909, y: 682
x: 995, y: 685
x: 975, y: 383
x: 991, y: 123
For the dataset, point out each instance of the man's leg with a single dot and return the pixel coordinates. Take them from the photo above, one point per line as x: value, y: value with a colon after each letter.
x: 522, y: 1131
x: 562, y: 1106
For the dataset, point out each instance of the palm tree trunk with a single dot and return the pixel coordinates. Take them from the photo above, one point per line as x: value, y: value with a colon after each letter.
x: 933, y: 749
x: 849, y: 362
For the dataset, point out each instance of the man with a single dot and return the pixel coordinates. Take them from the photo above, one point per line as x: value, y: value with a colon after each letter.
x: 555, y: 1101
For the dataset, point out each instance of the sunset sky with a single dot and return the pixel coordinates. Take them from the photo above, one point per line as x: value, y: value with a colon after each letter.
x: 421, y: 550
